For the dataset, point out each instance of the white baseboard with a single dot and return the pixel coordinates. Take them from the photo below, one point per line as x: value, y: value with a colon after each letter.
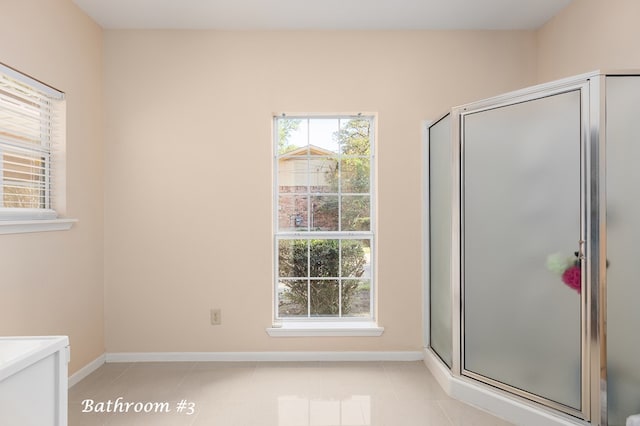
x: 497, y: 403
x: 87, y: 369
x: 263, y: 356
x: 439, y: 371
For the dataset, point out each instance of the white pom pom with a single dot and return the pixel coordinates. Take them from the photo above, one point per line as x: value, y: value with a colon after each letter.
x: 633, y: 420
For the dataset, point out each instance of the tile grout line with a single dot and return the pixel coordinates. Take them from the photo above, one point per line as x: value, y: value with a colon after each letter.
x: 446, y: 414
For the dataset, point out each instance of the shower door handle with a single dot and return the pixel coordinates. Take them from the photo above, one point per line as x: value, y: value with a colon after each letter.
x: 580, y: 253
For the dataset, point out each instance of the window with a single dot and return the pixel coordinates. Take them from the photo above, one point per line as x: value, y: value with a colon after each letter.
x: 30, y: 126
x: 324, y: 218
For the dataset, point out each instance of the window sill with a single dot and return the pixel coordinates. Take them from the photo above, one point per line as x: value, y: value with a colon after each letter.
x: 325, y: 329
x: 26, y: 226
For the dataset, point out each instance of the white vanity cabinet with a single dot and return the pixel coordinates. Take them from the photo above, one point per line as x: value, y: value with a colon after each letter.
x: 33, y: 381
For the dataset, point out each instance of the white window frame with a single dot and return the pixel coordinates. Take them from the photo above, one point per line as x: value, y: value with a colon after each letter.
x: 46, y: 218
x: 325, y: 326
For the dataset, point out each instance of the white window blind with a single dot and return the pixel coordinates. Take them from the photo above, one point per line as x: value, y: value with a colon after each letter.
x: 29, y: 128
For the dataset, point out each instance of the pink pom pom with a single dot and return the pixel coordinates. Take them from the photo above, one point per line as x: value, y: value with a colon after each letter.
x: 572, y: 278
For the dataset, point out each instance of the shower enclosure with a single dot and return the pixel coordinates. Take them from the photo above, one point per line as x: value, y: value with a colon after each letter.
x: 532, y: 295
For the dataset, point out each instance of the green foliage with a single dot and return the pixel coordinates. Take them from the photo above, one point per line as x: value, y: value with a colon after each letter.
x: 285, y: 128
x: 356, y: 213
x: 325, y: 263
x: 355, y: 138
x: 353, y: 175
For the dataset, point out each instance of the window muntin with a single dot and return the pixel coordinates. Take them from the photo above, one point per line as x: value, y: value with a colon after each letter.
x: 29, y: 127
x: 324, y: 239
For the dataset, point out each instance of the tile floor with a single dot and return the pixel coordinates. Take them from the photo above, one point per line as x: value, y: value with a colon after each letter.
x: 269, y: 394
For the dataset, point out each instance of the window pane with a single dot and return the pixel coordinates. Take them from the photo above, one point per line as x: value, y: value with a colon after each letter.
x: 324, y: 213
x: 354, y: 173
x: 324, y: 257
x: 292, y: 136
x: 292, y: 213
x: 323, y: 134
x: 356, y: 259
x: 354, y: 137
x: 23, y: 181
x: 293, y: 174
x: 324, y: 298
x: 293, y: 258
x: 330, y: 259
x: 292, y: 298
x: 323, y: 174
x: 356, y: 213
x: 356, y: 298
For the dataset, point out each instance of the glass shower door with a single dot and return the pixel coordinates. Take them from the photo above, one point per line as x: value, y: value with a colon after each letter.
x: 623, y: 233
x: 522, y: 236
x: 440, y: 212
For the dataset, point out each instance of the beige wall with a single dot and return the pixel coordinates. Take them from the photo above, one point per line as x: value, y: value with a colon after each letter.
x: 52, y: 283
x: 188, y: 229
x: 590, y: 35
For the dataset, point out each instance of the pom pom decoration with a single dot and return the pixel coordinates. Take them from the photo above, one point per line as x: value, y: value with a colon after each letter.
x: 568, y: 268
x: 572, y: 278
x: 559, y: 263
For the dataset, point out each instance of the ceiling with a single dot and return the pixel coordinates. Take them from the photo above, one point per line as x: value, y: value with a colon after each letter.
x: 322, y: 14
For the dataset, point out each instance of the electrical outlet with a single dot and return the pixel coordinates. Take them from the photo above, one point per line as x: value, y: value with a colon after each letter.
x: 216, y: 316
